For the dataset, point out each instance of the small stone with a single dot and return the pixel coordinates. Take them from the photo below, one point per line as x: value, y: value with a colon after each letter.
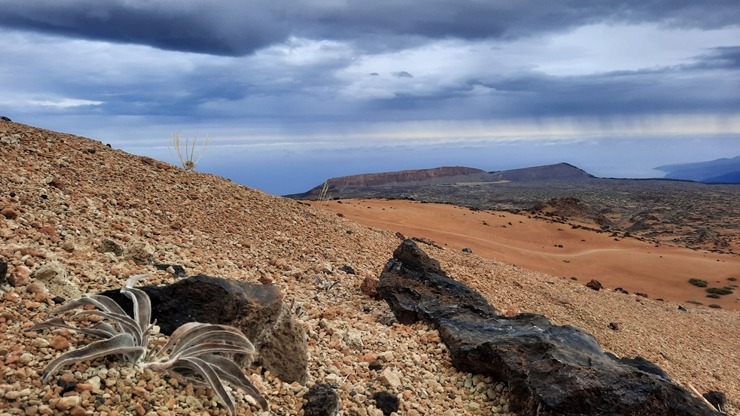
x: 353, y: 339
x: 390, y: 378
x: 26, y: 358
x: 9, y: 213
x: 321, y: 400
x: 40, y: 342
x: 59, y: 343
x: 386, y: 402
x: 12, y: 395
x: 68, y: 402
x: 21, y: 276
x: 368, y: 287
x: 78, y: 411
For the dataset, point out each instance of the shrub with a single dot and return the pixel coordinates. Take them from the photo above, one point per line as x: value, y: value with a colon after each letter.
x: 198, y: 353
x: 719, y: 290
x: 698, y: 282
x: 187, y: 151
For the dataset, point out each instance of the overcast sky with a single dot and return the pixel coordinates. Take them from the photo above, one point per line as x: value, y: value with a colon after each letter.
x: 293, y: 92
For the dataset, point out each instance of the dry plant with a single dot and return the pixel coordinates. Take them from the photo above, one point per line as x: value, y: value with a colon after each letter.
x: 324, y: 194
x: 187, y: 151
x: 197, y: 353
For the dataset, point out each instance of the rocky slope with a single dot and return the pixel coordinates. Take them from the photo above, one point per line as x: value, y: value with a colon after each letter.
x: 62, y: 197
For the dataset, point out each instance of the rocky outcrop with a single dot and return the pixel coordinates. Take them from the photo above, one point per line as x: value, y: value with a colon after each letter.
x: 550, y: 369
x: 257, y: 310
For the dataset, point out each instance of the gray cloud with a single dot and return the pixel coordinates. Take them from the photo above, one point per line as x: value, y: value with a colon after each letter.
x: 235, y: 27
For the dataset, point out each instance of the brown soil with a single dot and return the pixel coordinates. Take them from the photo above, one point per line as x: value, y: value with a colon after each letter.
x: 661, y: 272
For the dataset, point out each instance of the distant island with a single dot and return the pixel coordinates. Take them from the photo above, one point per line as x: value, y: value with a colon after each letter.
x: 725, y: 170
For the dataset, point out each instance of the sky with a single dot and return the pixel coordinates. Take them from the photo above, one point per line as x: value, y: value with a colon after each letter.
x: 292, y: 93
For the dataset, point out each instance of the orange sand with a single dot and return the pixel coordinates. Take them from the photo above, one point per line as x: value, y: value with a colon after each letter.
x: 534, y: 244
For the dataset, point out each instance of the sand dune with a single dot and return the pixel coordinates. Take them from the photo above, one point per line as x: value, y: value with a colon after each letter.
x: 557, y: 249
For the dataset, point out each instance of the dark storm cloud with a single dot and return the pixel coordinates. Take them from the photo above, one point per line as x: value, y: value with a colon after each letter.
x: 236, y: 27
x: 725, y: 57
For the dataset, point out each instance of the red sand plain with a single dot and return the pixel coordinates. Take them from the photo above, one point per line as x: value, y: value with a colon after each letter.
x: 556, y: 249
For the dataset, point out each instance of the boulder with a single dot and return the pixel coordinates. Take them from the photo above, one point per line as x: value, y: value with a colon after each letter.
x: 549, y: 369
x: 257, y: 310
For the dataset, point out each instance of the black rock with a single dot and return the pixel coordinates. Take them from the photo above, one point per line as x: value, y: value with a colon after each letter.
x: 614, y: 326
x: 257, y: 310
x: 386, y: 402
x: 347, y: 269
x: 716, y: 398
x: 594, y: 284
x: 3, y: 270
x: 375, y: 366
x: 321, y: 400
x: 550, y: 369
x: 4, y: 118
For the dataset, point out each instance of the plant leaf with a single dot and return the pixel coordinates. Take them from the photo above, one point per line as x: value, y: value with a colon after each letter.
x: 142, y: 310
x: 104, y: 303
x: 230, y: 371
x: 124, y: 322
x: 101, y: 330
x: 209, y: 374
x: 202, y: 333
x: 119, y: 344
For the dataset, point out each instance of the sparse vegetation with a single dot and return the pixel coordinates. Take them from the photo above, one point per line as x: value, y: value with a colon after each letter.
x: 324, y: 195
x: 197, y: 353
x: 188, y: 152
x: 698, y: 282
x: 719, y: 290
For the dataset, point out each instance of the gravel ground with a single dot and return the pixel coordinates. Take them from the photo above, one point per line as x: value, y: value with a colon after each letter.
x: 62, y: 196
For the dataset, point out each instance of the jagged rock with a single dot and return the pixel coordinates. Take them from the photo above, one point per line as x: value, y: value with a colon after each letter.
x: 140, y: 252
x: 257, y: 310
x: 594, y: 284
x: 110, y: 246
x: 386, y: 402
x: 321, y: 400
x: 56, y: 280
x: 550, y: 369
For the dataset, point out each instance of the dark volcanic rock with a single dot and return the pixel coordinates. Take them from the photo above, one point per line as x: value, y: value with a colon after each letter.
x: 3, y: 270
x: 257, y: 310
x: 386, y: 402
x: 321, y: 400
x: 416, y: 288
x: 716, y: 398
x: 550, y: 369
x: 594, y: 284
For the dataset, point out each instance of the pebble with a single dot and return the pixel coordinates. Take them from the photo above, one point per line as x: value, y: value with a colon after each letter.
x: 68, y: 402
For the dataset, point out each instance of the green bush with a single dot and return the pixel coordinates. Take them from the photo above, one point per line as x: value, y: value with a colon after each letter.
x: 698, y: 282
